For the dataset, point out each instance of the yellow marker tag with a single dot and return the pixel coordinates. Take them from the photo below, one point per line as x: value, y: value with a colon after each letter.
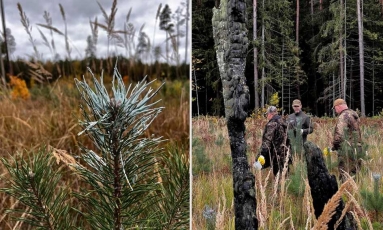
x: 261, y: 160
x: 325, y: 151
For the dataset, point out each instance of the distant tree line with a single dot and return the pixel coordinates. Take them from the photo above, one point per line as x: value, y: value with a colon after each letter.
x: 77, y: 68
x: 141, y: 55
x: 315, y: 51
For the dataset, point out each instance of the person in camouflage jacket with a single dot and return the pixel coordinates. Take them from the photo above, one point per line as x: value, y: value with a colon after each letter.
x: 346, y: 132
x: 274, y: 141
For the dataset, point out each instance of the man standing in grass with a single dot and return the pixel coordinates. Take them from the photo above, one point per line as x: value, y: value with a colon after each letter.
x: 274, y: 141
x: 299, y: 123
x: 347, y: 139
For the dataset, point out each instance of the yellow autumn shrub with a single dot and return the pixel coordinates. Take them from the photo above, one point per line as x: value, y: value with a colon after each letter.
x: 19, y: 88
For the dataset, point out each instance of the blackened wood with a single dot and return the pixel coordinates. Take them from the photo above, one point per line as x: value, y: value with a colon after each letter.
x: 323, y: 186
x: 231, y: 43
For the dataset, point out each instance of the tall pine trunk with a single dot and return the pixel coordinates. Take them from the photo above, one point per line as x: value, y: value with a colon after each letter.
x: 8, y: 65
x: 341, y: 70
x: 297, y: 25
x: 311, y: 8
x: 4, y: 81
x: 256, y: 95
x: 263, y: 57
x: 345, y: 51
x: 297, y: 41
x: 187, y: 31
x: 361, y: 57
x: 231, y: 42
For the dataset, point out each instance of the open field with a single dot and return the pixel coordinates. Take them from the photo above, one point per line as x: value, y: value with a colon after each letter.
x: 284, y: 205
x: 51, y: 115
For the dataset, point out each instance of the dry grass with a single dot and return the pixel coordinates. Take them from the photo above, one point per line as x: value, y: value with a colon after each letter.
x: 332, y: 204
x: 277, y: 208
x: 50, y: 118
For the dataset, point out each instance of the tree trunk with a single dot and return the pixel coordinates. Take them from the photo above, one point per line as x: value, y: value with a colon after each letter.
x: 196, y: 91
x: 297, y: 25
x: 311, y: 8
x: 8, y: 66
x: 373, y: 87
x: 381, y: 7
x: 230, y: 38
x: 361, y: 58
x: 350, y: 102
x: 187, y: 31
x: 297, y: 41
x: 341, y: 70
x: 283, y: 83
x: 4, y: 81
x: 256, y: 95
x: 176, y: 49
x: 345, y: 51
x: 333, y: 93
x: 263, y: 57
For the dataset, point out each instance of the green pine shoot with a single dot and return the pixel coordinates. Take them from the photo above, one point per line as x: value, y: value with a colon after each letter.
x: 123, y: 183
x: 373, y: 201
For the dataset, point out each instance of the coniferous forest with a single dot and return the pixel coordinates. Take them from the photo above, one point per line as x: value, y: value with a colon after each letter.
x: 310, y: 50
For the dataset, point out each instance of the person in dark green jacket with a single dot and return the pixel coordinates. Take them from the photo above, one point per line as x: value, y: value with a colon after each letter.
x: 299, y: 123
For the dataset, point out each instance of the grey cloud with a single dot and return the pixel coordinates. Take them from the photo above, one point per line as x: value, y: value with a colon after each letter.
x: 78, y: 13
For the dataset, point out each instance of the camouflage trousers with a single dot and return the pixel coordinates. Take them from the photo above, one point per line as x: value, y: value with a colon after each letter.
x: 349, y: 165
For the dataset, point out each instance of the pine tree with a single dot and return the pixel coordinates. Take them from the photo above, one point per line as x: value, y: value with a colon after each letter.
x: 143, y: 46
x: 90, y: 50
x: 37, y: 186
x: 373, y: 200
x: 166, y: 25
x: 128, y: 180
x: 280, y: 58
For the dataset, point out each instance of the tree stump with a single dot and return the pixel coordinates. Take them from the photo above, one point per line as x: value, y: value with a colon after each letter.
x: 323, y: 186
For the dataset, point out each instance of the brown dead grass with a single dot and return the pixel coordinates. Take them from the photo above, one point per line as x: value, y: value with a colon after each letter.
x: 276, y: 207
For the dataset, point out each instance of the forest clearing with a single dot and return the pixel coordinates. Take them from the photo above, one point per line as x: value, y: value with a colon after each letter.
x: 284, y: 205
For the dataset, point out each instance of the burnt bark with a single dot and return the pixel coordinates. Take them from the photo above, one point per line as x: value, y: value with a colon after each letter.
x: 231, y: 43
x: 323, y: 186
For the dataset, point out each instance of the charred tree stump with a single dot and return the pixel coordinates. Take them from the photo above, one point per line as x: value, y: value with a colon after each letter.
x: 231, y: 42
x: 323, y: 186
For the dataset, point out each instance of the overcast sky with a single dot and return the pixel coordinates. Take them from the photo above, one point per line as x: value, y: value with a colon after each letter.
x: 78, y: 13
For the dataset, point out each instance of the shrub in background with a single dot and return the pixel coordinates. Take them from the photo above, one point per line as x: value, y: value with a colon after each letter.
x: 201, y: 163
x: 19, y: 88
x: 297, y: 183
